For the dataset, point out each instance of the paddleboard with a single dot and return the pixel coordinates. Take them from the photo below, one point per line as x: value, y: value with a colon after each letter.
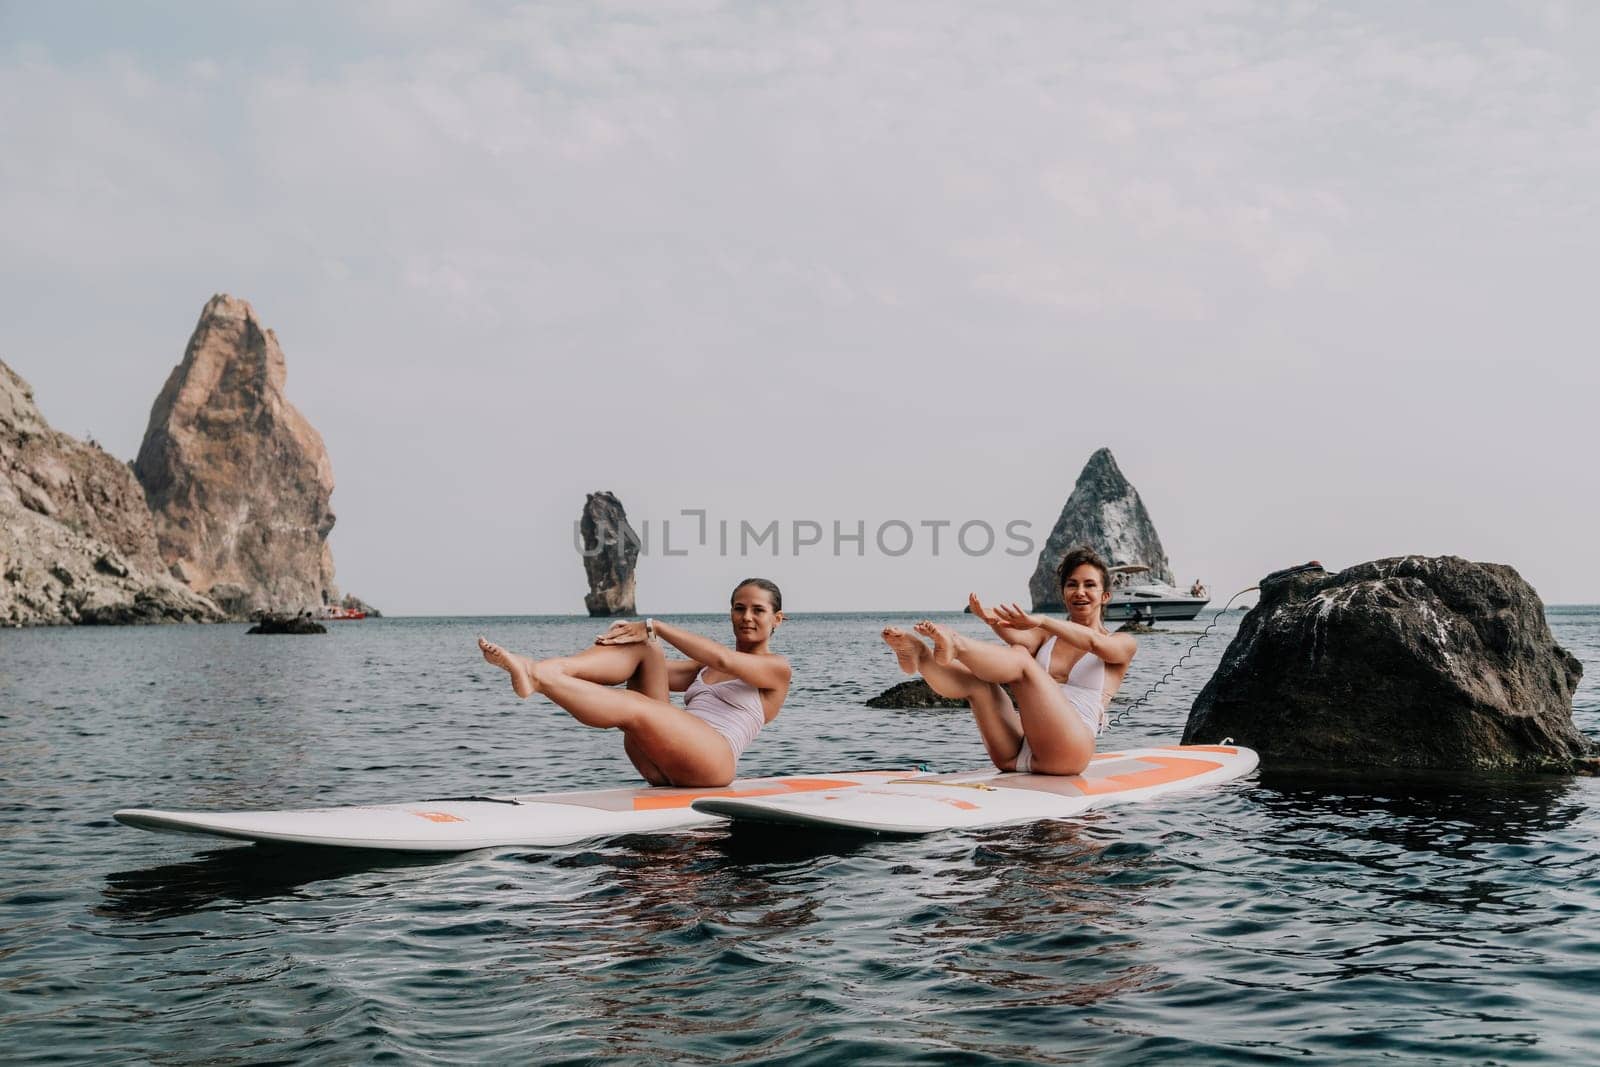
x: 930, y: 803
x: 466, y: 823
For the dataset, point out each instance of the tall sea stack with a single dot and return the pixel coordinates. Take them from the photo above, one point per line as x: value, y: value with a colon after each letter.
x: 237, y: 480
x: 610, y: 551
x: 1105, y: 513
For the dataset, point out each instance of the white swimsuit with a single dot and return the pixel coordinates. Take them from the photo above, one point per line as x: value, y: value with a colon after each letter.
x: 1084, y: 690
x: 731, y: 708
x: 1084, y: 687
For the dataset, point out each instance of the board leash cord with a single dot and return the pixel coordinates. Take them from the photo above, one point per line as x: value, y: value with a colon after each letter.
x: 1172, y: 671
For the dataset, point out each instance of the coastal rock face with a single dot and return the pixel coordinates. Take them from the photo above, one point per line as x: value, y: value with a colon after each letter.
x: 78, y: 544
x: 610, y: 552
x: 237, y: 480
x: 1105, y: 513
x: 1405, y: 662
x: 74, y: 483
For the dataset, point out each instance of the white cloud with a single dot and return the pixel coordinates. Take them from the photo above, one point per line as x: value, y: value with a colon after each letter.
x: 878, y: 221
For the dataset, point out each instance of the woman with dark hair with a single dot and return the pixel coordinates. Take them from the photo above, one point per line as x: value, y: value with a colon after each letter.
x: 729, y: 693
x: 1061, y: 672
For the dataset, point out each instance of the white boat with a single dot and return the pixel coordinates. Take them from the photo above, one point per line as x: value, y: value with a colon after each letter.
x: 1149, y: 600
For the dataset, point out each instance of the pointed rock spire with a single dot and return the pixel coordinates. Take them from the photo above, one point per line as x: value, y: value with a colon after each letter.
x: 1105, y: 513
x: 237, y: 480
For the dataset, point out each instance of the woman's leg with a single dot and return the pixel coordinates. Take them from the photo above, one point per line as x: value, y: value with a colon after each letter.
x: 667, y: 744
x: 667, y: 740
x: 642, y: 666
x: 1060, y: 741
x: 643, y: 763
x: 997, y: 720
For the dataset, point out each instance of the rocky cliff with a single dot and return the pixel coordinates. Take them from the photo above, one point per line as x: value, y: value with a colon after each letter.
x: 237, y: 480
x: 1105, y: 513
x: 77, y: 543
x: 610, y: 551
x: 1423, y: 662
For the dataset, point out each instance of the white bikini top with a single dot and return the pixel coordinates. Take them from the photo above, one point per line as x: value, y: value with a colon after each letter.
x: 1088, y: 672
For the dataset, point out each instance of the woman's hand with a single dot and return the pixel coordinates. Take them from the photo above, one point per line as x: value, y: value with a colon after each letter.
x: 980, y: 611
x: 623, y: 633
x: 1012, y: 617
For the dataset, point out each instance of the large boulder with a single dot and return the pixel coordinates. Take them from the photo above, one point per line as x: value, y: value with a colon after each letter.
x: 1105, y: 513
x: 1416, y: 662
x: 610, y: 553
x: 77, y: 543
x: 238, y: 481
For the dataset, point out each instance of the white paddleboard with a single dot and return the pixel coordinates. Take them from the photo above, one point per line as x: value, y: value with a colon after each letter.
x: 931, y: 803
x: 486, y: 822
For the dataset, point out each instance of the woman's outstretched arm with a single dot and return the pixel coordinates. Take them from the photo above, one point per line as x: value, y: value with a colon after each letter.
x: 1028, y: 639
x: 1111, y: 648
x: 763, y: 672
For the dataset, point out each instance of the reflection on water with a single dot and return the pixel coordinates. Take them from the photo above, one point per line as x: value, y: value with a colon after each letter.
x: 1302, y: 915
x: 247, y: 873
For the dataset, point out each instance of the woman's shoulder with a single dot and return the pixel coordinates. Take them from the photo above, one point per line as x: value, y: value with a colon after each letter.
x: 1126, y: 644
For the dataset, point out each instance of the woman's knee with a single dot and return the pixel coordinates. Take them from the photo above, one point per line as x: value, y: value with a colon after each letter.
x: 986, y: 696
x: 549, y: 670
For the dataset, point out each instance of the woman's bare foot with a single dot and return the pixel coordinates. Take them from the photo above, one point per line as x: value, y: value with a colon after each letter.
x: 907, y: 649
x: 944, y: 641
x: 522, y: 682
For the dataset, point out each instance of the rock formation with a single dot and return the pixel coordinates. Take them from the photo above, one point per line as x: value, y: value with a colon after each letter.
x: 610, y: 551
x: 351, y: 602
x: 237, y: 479
x: 915, y: 693
x: 1406, y: 662
x: 78, y: 543
x: 1105, y: 513
x: 268, y: 623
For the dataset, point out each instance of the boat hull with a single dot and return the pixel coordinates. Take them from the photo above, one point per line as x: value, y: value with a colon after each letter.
x: 1173, y: 609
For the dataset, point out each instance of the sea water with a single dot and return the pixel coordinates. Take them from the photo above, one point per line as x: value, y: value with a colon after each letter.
x: 1340, y: 918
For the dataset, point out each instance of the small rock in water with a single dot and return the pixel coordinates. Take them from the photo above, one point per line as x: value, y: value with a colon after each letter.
x: 913, y: 694
x: 287, y: 624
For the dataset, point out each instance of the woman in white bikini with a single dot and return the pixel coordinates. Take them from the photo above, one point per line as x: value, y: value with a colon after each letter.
x: 729, y: 693
x: 1061, y: 672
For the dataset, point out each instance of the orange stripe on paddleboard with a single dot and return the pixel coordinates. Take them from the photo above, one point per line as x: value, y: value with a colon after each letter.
x: 793, y: 785
x: 1167, y: 769
x: 438, y: 816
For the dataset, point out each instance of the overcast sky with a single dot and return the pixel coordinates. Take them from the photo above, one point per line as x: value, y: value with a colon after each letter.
x: 1322, y: 277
